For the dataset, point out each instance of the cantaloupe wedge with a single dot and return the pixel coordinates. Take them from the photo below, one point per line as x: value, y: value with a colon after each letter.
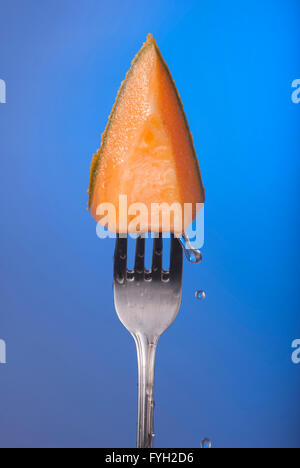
x: 147, y: 152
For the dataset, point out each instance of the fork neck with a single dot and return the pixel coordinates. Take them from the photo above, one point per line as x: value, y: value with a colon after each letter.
x: 146, y: 348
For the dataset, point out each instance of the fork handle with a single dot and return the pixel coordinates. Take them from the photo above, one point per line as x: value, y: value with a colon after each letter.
x: 146, y: 348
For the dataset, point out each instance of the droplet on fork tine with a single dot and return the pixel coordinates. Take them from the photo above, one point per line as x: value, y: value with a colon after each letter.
x: 120, y: 259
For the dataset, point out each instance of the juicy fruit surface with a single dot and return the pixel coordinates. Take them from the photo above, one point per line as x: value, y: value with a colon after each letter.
x: 147, y: 151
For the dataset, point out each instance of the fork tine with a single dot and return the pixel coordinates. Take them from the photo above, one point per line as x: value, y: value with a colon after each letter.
x: 176, y: 258
x: 120, y: 258
x: 139, y: 258
x: 157, y: 257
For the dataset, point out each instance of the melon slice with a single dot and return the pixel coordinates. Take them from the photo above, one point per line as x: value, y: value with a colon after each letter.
x: 147, y: 157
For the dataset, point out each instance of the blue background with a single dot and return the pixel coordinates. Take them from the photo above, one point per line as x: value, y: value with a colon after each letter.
x: 224, y: 369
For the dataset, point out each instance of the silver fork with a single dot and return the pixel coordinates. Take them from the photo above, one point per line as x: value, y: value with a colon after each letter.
x: 147, y: 303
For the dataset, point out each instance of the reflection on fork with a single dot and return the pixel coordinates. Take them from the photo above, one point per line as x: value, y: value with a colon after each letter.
x: 147, y: 303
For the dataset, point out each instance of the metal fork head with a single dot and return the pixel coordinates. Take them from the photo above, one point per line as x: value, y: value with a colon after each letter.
x: 147, y: 302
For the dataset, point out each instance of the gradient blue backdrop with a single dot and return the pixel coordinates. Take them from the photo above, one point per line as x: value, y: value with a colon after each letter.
x: 224, y: 369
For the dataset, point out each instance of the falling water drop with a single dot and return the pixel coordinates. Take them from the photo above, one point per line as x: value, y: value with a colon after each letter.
x: 200, y: 294
x: 193, y: 255
x: 130, y: 275
x: 206, y: 443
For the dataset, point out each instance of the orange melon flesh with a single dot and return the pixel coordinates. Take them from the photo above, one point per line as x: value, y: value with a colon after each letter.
x: 147, y: 152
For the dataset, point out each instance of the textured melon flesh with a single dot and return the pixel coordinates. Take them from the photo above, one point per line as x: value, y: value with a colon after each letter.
x: 147, y: 151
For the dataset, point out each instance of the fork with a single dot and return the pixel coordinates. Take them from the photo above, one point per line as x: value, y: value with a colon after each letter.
x: 147, y: 303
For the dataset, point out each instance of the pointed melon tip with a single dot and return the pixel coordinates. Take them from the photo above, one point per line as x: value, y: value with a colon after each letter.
x: 150, y: 37
x: 151, y: 41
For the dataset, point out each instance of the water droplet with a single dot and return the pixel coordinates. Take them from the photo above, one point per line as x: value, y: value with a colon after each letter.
x: 206, y: 443
x: 193, y: 255
x: 130, y: 275
x: 200, y: 294
x: 148, y: 275
x: 165, y: 276
x: 120, y: 279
